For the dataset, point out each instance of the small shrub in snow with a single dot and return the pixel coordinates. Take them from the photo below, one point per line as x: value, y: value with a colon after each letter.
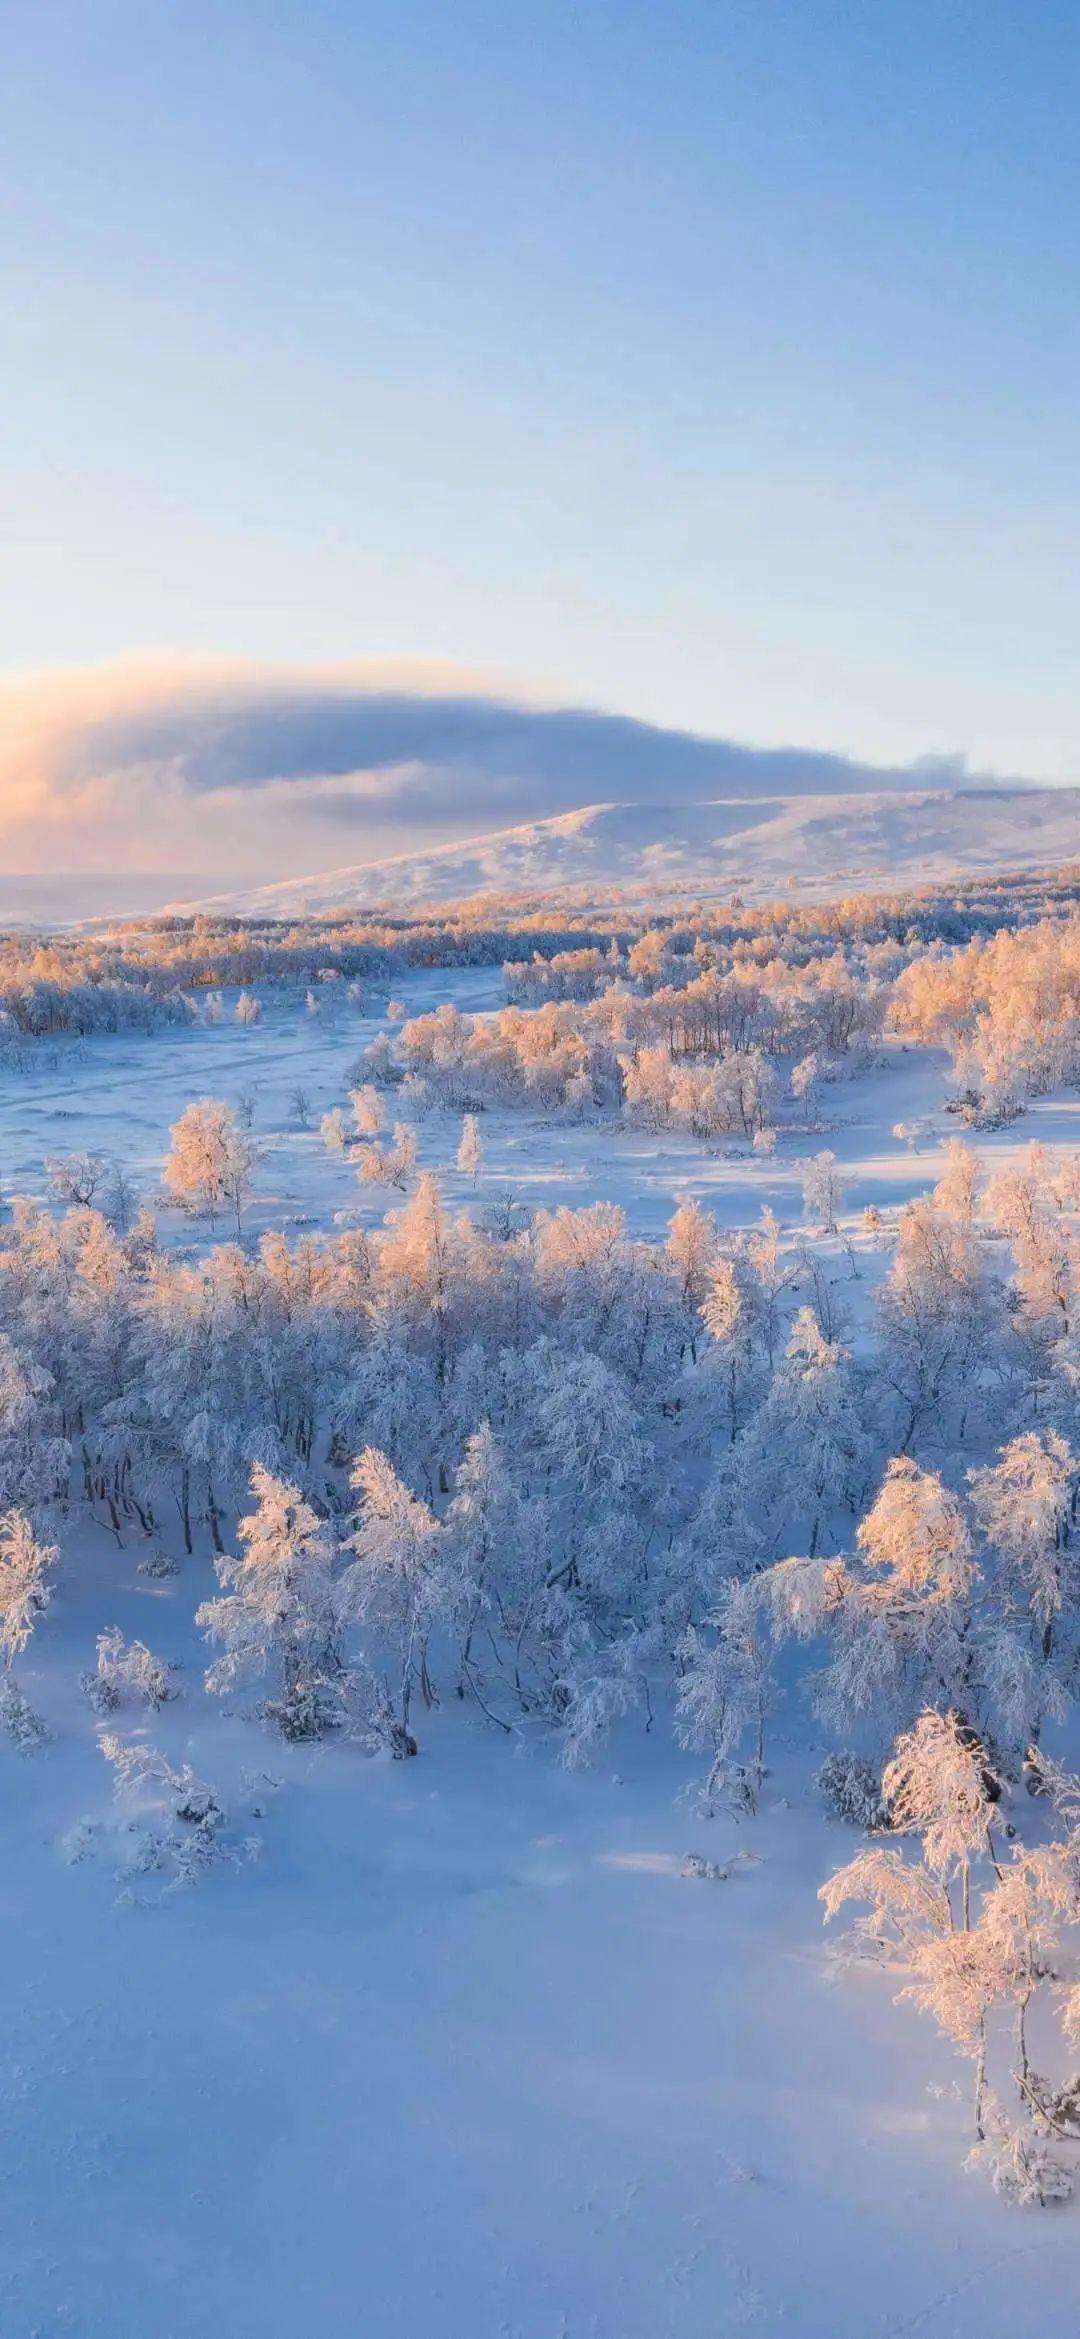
x: 125, y: 1672
x: 385, y: 1732
x: 850, y: 1789
x: 80, y: 1842
x: 174, y: 1825
x: 710, y: 1871
x: 18, y: 1720
x: 158, y: 1565
x: 1021, y: 2166
x: 308, y: 1708
x: 717, y: 1871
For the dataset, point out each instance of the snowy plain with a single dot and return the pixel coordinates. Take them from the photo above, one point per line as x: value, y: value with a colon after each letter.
x: 464, y: 2054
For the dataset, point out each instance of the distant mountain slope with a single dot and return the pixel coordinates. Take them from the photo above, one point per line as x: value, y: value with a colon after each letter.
x: 754, y: 846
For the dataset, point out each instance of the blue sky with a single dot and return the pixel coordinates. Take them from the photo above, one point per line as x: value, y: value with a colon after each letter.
x: 713, y: 363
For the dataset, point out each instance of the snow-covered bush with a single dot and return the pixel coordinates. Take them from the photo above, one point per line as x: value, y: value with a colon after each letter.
x: 169, y: 1824
x: 850, y: 1789
x: 126, y: 1671
x: 18, y: 1720
x: 1021, y: 2164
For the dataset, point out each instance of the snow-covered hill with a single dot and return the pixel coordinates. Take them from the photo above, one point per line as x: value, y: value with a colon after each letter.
x: 756, y: 846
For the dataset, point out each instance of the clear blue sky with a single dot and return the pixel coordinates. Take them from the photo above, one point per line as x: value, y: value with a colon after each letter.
x: 719, y: 363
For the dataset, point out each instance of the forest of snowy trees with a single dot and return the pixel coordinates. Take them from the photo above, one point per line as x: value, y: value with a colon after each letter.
x: 715, y: 1023
x: 562, y: 1473
x: 525, y: 1461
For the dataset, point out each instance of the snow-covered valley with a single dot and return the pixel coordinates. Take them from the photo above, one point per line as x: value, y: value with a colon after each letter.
x: 464, y: 2051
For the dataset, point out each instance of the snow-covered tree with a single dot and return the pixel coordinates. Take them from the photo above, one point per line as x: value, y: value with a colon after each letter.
x: 804, y: 1080
x: 277, y: 1617
x: 388, y: 1165
x: 978, y: 1934
x: 211, y: 1160
x: 896, y: 1614
x: 470, y: 1152
x: 957, y: 1186
x: 334, y: 1130
x: 1024, y: 1505
x: 805, y: 1457
x: 478, y: 1559
x: 396, y: 1586
x: 692, y: 1250
x: 730, y: 1316
x: 941, y: 1329
x: 940, y: 1785
x: 367, y: 1109
x: 24, y: 1591
x: 824, y: 1187
x: 725, y: 1696
x: 75, y: 1177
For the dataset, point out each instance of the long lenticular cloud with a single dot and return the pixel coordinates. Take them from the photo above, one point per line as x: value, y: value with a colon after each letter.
x: 137, y: 764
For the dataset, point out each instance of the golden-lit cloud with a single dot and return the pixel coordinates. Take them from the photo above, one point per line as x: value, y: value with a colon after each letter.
x: 234, y: 769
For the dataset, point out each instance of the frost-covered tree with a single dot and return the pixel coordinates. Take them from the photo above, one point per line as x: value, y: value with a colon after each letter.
x: 478, y: 1559
x: 211, y: 1161
x: 368, y: 1116
x: 942, y: 1332
x: 940, y: 1785
x: 334, y: 1130
x: 396, y: 1585
x: 692, y: 1250
x: 955, y: 1191
x: 823, y: 1187
x: 388, y: 1165
x: 896, y: 1613
x: 24, y: 1591
x: 978, y: 1936
x: 804, y: 1080
x: 75, y: 1177
x: 805, y: 1457
x: 725, y: 1695
x: 470, y: 1152
x: 730, y: 1314
x: 278, y: 1617
x: 1024, y: 1505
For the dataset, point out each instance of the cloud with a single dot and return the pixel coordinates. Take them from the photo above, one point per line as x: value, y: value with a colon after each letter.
x: 258, y: 771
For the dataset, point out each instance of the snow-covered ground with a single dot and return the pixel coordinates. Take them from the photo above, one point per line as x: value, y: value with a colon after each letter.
x: 120, y: 1095
x: 464, y: 2055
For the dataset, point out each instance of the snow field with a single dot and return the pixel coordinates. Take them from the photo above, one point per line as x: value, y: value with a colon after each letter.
x: 464, y: 2054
